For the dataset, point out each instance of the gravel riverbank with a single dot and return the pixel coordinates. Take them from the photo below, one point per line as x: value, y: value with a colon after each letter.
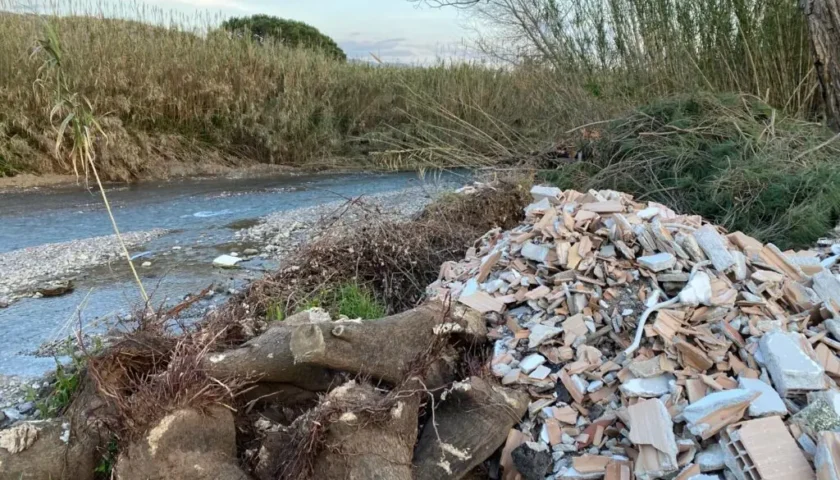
x: 282, y: 232
x: 21, y: 271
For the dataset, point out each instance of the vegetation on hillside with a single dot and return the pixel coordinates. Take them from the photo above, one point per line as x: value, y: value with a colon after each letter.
x: 730, y: 158
x: 291, y: 33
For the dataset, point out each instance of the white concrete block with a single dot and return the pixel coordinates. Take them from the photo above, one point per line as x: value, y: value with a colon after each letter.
x: 529, y: 363
x: 768, y: 403
x: 791, y: 369
x: 652, y: 387
x: 658, y: 262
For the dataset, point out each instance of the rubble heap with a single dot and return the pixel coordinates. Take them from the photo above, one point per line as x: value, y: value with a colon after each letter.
x: 655, y: 345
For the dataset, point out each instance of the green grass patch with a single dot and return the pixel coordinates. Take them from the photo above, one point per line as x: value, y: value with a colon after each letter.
x: 349, y: 299
x: 732, y: 159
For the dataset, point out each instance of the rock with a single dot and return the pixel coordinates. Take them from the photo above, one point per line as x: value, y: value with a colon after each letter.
x: 768, y: 403
x: 250, y: 251
x: 791, y: 369
x: 26, y: 408
x: 187, y: 445
x: 833, y: 326
x: 648, y: 387
x: 226, y: 261
x: 12, y: 414
x: 146, y: 264
x: 711, y: 459
x: 532, y: 460
x: 531, y: 362
x: 2, y: 417
x: 56, y: 288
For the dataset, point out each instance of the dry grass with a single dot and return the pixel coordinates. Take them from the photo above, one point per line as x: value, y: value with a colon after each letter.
x: 730, y: 158
x: 173, y: 98
x: 395, y: 260
x: 151, y: 372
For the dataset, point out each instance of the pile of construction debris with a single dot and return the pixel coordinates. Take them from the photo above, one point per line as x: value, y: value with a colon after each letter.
x: 654, y: 345
x: 600, y: 338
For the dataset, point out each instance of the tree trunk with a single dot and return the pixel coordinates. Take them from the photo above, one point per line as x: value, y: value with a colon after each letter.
x: 823, y: 17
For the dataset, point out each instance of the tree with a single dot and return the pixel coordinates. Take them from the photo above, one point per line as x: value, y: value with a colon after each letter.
x: 823, y: 18
x: 288, y: 32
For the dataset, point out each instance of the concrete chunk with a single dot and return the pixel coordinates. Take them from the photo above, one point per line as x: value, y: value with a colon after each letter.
x: 790, y: 368
x: 648, y: 387
x: 537, y: 253
x: 540, y: 192
x: 658, y: 262
x: 711, y: 459
x: 768, y: 402
x: 827, y: 287
x: 541, y: 333
x: 646, y: 368
x: 827, y: 458
x: 714, y: 246
x: 708, y: 415
x: 531, y: 362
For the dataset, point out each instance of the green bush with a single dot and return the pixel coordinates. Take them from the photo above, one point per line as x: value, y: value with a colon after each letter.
x: 288, y: 32
x: 732, y: 159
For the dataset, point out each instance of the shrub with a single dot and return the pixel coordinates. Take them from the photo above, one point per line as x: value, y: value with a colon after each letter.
x: 288, y: 32
x: 731, y: 159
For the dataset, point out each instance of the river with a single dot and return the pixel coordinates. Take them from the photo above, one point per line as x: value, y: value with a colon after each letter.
x: 201, y: 217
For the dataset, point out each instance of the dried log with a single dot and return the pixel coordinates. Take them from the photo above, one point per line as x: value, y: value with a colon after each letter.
x: 38, y: 451
x: 385, y: 349
x: 467, y: 428
x: 187, y: 445
x: 269, y: 358
x: 360, y: 445
x: 356, y: 432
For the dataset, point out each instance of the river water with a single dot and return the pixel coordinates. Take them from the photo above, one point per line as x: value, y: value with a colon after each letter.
x: 202, y: 217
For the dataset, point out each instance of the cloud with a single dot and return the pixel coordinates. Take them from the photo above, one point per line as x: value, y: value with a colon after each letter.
x: 398, y: 49
x: 229, y: 4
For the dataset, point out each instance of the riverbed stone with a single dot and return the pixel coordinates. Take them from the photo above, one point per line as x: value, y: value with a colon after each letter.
x: 226, y: 261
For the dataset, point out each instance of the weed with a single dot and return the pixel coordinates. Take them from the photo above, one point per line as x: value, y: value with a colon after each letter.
x: 731, y: 158
x: 106, y: 463
x: 275, y: 313
x: 354, y: 301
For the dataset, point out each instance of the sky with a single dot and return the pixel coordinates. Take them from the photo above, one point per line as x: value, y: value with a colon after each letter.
x: 397, y: 31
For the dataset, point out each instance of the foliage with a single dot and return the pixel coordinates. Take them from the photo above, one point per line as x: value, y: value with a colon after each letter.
x: 731, y: 159
x: 349, y: 299
x: 642, y: 49
x: 67, y: 379
x: 288, y: 32
x: 178, y: 101
x: 106, y: 463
